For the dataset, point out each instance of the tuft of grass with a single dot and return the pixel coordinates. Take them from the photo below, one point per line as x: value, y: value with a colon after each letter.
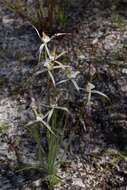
x: 53, y: 149
x: 42, y: 15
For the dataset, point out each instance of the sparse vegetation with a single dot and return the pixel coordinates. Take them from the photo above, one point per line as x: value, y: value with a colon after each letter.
x: 44, y: 15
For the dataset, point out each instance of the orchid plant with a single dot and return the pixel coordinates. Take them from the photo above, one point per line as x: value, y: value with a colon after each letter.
x: 51, y: 62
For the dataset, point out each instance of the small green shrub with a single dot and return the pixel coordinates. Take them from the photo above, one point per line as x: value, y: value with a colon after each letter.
x: 4, y: 126
x: 118, y: 21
